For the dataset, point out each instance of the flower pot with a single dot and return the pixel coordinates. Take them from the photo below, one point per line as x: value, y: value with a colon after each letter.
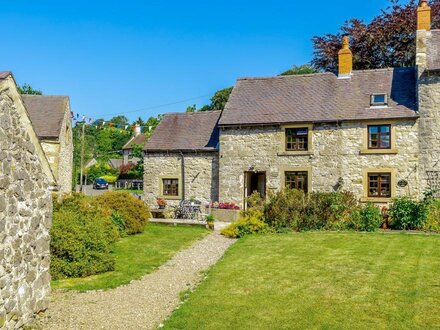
x: 210, y: 225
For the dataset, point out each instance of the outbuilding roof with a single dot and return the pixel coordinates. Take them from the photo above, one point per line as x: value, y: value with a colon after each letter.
x: 46, y: 113
x: 135, y: 140
x: 196, y: 131
x: 321, y: 97
x: 4, y: 74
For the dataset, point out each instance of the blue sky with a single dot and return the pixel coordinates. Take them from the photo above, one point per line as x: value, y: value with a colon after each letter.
x: 119, y: 56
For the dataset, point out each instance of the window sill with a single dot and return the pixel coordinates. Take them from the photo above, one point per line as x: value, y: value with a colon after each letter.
x: 295, y: 153
x: 171, y: 198
x: 376, y: 199
x: 379, y: 152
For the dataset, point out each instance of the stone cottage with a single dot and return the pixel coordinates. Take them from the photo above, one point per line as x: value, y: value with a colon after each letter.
x: 51, y: 119
x: 26, y: 181
x: 181, y: 159
x: 375, y: 132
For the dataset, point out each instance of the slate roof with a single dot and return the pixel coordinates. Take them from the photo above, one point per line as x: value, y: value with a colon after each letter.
x: 46, y: 113
x: 321, y: 97
x: 140, y: 139
x: 434, y: 51
x: 196, y: 131
x: 4, y: 74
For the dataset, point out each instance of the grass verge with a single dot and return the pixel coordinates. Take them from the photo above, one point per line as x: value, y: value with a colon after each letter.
x: 320, y: 281
x: 138, y: 255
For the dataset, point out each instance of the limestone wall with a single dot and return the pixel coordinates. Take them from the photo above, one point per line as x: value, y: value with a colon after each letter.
x: 59, y: 153
x: 25, y: 215
x: 429, y: 104
x: 336, y: 153
x: 201, y: 176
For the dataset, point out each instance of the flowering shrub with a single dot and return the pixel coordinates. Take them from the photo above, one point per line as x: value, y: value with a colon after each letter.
x: 225, y: 206
x: 161, y: 202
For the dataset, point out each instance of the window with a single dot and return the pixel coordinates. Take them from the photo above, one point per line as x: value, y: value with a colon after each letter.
x: 297, y: 139
x: 379, y: 99
x: 379, y: 137
x: 379, y: 185
x: 170, y: 187
x: 297, y: 180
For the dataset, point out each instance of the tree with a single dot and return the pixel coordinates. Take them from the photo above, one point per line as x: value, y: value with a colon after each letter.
x: 191, y: 108
x: 119, y: 121
x: 300, y: 69
x: 220, y: 98
x: 387, y: 41
x: 27, y: 89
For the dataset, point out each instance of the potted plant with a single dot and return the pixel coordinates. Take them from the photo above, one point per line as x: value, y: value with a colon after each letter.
x: 210, y: 221
x: 161, y: 203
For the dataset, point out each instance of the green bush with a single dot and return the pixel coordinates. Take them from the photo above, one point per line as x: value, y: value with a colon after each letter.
x: 327, y: 211
x: 110, y: 178
x: 433, y: 218
x: 134, y: 212
x: 285, y: 209
x: 99, y: 171
x: 81, y: 241
x: 252, y: 223
x: 366, y: 218
x: 408, y: 214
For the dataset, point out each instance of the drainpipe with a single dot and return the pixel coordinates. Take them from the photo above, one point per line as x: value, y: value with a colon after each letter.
x: 183, y: 175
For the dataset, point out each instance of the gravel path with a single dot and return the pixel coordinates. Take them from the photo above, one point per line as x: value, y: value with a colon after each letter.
x: 142, y: 304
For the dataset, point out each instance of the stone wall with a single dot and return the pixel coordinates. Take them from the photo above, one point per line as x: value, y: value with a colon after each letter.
x: 25, y: 214
x: 429, y: 142
x: 201, y: 175
x: 59, y: 153
x: 336, y: 153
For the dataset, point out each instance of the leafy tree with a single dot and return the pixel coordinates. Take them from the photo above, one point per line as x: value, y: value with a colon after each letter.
x: 191, y: 108
x: 387, y: 41
x: 300, y: 69
x: 27, y: 89
x: 220, y: 98
x: 120, y: 120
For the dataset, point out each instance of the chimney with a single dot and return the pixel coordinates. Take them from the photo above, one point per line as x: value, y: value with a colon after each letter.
x: 423, y: 33
x: 345, y: 59
x: 424, y: 16
x: 137, y: 130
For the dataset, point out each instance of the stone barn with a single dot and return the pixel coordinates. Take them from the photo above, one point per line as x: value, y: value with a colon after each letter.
x: 51, y: 119
x: 26, y: 181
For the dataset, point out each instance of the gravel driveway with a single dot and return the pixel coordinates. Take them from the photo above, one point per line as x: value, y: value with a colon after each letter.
x: 142, y: 304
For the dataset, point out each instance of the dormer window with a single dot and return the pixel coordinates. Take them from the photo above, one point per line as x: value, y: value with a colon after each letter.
x: 379, y: 100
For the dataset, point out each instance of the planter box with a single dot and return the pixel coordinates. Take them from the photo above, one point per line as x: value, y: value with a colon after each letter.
x: 225, y: 215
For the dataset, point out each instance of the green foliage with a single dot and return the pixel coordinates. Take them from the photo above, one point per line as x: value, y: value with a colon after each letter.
x: 119, y: 221
x: 134, y: 212
x: 366, y: 218
x: 299, y: 70
x: 210, y: 218
x: 218, y: 101
x: 27, y: 89
x: 433, y: 218
x: 82, y: 237
x: 99, y: 171
x: 110, y: 178
x: 408, y: 214
x: 252, y: 223
x: 285, y: 209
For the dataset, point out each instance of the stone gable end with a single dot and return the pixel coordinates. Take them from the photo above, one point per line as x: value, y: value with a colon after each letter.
x: 25, y: 214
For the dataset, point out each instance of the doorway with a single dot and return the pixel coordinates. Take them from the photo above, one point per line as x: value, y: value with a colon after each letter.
x: 254, y: 182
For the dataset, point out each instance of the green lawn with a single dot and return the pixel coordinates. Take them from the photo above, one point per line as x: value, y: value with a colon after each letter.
x: 138, y: 255
x: 320, y: 281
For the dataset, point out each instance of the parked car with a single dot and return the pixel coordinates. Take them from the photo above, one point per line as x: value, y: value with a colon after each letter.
x: 100, y: 183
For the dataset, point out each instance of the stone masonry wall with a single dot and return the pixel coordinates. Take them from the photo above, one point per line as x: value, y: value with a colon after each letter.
x: 25, y: 217
x: 429, y: 104
x: 59, y: 153
x: 201, y: 175
x: 335, y: 154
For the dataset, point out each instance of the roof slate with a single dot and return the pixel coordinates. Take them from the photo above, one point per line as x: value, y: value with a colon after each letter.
x: 321, y: 97
x: 140, y: 139
x: 4, y: 74
x: 196, y: 131
x: 434, y: 51
x: 46, y: 113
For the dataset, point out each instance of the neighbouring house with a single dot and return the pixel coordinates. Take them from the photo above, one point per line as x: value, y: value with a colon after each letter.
x: 127, y: 149
x: 375, y: 133
x: 115, y: 163
x: 26, y: 182
x: 51, y: 119
x: 181, y: 158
